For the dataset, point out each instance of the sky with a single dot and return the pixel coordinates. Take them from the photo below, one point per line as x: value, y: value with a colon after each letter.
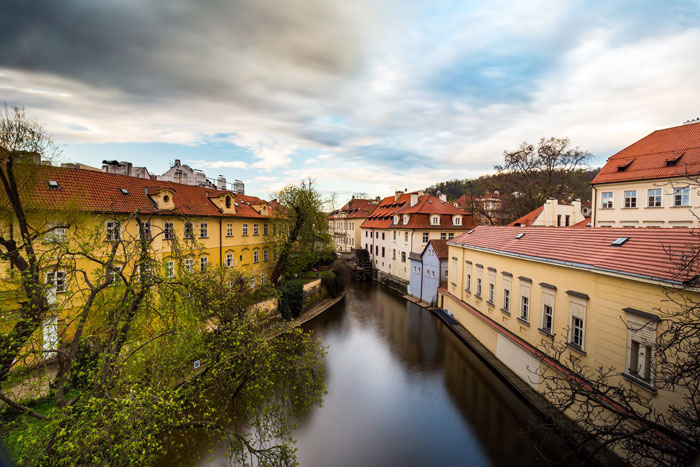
x: 365, y: 96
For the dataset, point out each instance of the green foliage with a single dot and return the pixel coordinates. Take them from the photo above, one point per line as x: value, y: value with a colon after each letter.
x: 330, y: 281
x: 291, y: 301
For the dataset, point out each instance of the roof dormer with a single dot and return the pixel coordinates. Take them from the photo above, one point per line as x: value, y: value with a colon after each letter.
x: 434, y: 220
x: 406, y: 217
x: 457, y: 220
x: 224, y: 202
x: 163, y: 197
x: 396, y: 220
x: 262, y: 209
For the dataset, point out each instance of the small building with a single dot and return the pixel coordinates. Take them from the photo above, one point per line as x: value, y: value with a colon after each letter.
x: 183, y: 173
x: 553, y: 214
x: 428, y: 269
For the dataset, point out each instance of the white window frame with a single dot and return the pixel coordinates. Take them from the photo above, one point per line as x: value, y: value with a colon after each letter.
x: 256, y: 256
x: 426, y: 237
x: 188, y: 231
x: 112, y: 231
x: 525, y: 301
x: 57, y: 280
x: 256, y: 229
x: 577, y: 311
x: 605, y: 198
x: 547, y: 302
x: 654, y: 196
x: 266, y: 255
x: 641, y: 331
x: 266, y: 229
x: 228, y: 261
x: 458, y: 220
x: 630, y: 199
x: 204, y: 230
x: 203, y: 263
x: 682, y: 194
x: 168, y: 231
x: 434, y: 220
x: 229, y: 229
x: 245, y: 229
x: 189, y: 265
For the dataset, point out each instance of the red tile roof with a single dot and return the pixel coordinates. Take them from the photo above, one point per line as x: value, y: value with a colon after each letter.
x: 672, y: 152
x: 356, y: 208
x: 93, y: 191
x: 649, y: 253
x: 382, y: 216
x: 581, y: 225
x: 441, y: 249
x: 528, y: 218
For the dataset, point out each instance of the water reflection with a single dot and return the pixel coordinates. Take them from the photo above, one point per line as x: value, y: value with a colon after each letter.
x: 403, y: 390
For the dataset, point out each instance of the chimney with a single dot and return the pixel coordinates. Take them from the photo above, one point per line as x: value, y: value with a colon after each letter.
x: 443, y: 197
x: 414, y: 199
x: 397, y: 193
x: 221, y: 182
x: 177, y: 162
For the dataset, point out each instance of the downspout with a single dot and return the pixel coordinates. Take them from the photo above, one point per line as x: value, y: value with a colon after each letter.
x: 595, y: 204
x: 221, y: 246
x: 422, y: 270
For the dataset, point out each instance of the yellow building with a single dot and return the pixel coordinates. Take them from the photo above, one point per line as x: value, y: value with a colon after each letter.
x: 651, y: 183
x: 190, y: 228
x: 601, y: 291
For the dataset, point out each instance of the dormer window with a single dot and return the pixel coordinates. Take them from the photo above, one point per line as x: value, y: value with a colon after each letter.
x: 435, y: 220
x: 228, y: 202
x: 166, y: 198
x: 396, y: 219
x: 405, y: 219
x: 457, y: 220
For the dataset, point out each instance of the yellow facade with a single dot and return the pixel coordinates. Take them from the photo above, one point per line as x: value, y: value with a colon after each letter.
x: 618, y: 314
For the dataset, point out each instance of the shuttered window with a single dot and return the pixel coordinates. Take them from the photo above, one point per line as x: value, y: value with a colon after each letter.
x: 641, y: 337
x: 525, y: 301
x: 547, y: 310
x: 577, y: 310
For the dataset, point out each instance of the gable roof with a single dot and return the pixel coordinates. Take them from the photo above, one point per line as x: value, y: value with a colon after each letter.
x: 527, y: 219
x: 648, y: 254
x: 382, y: 216
x: 93, y: 191
x: 356, y: 208
x: 440, y: 247
x: 671, y: 152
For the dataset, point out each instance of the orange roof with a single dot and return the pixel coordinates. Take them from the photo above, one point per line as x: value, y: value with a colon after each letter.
x: 357, y: 208
x: 382, y: 216
x: 89, y: 190
x: 528, y: 218
x: 647, y: 254
x: 440, y: 247
x: 672, y: 152
x: 581, y: 225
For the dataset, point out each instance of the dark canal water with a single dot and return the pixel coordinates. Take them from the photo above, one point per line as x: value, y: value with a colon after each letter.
x: 403, y: 390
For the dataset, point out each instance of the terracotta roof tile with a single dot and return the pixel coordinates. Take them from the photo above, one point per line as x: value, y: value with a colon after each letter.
x: 441, y: 249
x: 95, y: 191
x: 649, y: 253
x: 528, y: 218
x: 671, y: 152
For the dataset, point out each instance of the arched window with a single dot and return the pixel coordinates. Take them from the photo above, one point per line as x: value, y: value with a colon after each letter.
x: 228, y: 202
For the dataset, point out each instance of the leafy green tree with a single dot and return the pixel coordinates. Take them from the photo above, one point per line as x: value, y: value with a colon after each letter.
x: 301, y: 233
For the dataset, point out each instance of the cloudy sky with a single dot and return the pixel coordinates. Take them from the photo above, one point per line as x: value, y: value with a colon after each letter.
x: 361, y: 95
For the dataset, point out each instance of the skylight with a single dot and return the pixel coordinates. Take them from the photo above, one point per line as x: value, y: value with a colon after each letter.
x: 470, y: 232
x: 53, y: 184
x: 519, y: 236
x: 124, y: 191
x: 620, y: 241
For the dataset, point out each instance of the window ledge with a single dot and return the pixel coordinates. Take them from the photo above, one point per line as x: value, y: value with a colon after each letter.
x: 682, y: 206
x: 256, y: 235
x: 203, y: 237
x: 478, y: 296
x: 244, y: 235
x: 522, y: 320
x: 639, y: 382
x: 468, y: 291
x: 575, y: 347
x: 454, y: 284
x: 490, y: 303
x: 504, y: 310
x: 653, y: 207
x: 546, y: 333
x: 630, y: 208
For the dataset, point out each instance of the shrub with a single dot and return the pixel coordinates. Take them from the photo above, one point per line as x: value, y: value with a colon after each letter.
x: 330, y: 281
x: 291, y: 300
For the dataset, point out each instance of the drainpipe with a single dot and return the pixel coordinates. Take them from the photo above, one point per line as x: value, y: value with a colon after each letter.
x: 595, y: 204
x: 221, y: 246
x: 422, y: 270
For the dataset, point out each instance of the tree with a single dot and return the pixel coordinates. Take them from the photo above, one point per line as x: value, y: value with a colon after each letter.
x: 550, y: 170
x: 631, y: 422
x: 122, y: 383
x: 301, y: 234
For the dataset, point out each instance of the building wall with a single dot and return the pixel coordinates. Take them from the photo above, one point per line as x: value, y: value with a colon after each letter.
x: 515, y: 341
x: 555, y: 215
x: 644, y: 216
x: 414, y: 244
x: 379, y: 243
x: 346, y: 233
x: 433, y: 273
x: 416, y: 280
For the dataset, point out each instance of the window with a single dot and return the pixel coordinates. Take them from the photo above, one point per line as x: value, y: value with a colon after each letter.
x: 376, y: 250
x: 547, y: 310
x: 403, y: 256
x: 189, y: 265
x: 405, y: 236
x: 425, y: 237
x: 382, y: 235
x: 203, y: 263
x: 577, y: 308
x: 478, y: 285
x: 453, y: 270
x: 255, y: 229
x: 55, y: 233
x: 112, y: 231
x: 145, y: 230
x: 630, y: 198
x: 434, y: 220
x: 458, y: 220
x: 450, y: 235
x: 113, y: 275
x: 169, y: 231
x: 203, y: 230
x: 393, y: 254
x: 654, y: 198
x: 50, y: 335
x: 558, y: 220
x: 394, y: 235
x: 56, y: 280
x: 262, y: 279
x: 606, y: 200
x: 492, y: 286
x: 189, y: 230
x: 266, y: 255
x: 169, y: 269
x: 641, y: 336
x: 525, y: 307
x: 443, y: 236
x: 406, y: 217
x: 681, y: 196
x: 266, y: 229
x: 256, y: 256
x: 245, y: 230
x: 506, y: 299
x: 228, y: 202
x: 229, y: 230
x: 252, y: 282
x: 568, y: 219
x: 468, y: 287
x: 382, y: 252
x: 229, y: 260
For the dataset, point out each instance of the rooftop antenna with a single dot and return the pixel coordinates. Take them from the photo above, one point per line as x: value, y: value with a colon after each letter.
x: 692, y: 120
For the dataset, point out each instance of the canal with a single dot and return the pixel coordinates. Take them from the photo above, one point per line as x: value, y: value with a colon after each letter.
x: 403, y: 390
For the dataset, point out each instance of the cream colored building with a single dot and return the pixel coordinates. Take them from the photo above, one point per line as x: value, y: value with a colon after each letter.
x: 600, y: 291
x: 652, y: 183
x: 553, y: 214
x: 344, y: 225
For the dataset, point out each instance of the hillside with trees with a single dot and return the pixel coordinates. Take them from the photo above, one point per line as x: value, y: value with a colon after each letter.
x: 528, y: 177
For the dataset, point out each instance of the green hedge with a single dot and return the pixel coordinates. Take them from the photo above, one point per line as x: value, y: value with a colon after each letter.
x: 291, y: 301
x: 330, y: 281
